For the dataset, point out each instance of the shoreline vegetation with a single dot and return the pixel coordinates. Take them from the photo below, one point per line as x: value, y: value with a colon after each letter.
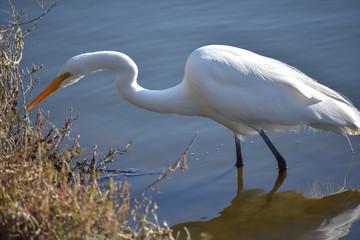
x: 46, y: 190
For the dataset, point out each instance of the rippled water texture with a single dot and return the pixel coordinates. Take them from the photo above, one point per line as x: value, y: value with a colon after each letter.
x: 321, y: 38
x: 254, y: 214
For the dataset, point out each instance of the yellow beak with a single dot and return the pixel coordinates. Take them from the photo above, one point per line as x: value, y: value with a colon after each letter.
x: 55, y: 85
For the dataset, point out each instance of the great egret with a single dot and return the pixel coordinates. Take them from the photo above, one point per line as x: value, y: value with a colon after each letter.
x: 246, y: 92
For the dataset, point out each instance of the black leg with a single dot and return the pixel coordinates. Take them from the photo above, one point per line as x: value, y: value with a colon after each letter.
x: 239, y: 161
x: 279, y: 158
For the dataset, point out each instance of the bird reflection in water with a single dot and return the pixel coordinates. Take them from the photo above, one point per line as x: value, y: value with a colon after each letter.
x: 254, y: 214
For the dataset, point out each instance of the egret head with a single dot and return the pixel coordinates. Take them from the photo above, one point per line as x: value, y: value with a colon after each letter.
x: 69, y: 74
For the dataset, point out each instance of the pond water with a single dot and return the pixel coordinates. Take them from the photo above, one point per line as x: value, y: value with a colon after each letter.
x: 321, y: 38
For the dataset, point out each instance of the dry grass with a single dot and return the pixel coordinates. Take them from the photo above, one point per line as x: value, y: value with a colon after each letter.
x: 45, y: 191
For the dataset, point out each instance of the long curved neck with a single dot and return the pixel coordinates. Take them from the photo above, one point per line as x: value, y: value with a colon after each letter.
x: 172, y: 100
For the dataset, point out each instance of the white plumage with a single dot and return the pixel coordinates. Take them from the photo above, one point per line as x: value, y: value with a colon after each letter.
x: 246, y: 92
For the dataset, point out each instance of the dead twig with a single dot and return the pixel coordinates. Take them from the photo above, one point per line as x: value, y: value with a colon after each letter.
x: 180, y: 163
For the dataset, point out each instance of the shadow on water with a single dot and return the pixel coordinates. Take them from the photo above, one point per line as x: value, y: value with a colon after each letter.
x: 254, y: 214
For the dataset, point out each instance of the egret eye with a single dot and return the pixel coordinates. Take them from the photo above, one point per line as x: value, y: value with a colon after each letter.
x: 68, y: 79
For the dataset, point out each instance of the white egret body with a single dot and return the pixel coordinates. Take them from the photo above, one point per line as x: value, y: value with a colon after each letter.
x: 246, y: 92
